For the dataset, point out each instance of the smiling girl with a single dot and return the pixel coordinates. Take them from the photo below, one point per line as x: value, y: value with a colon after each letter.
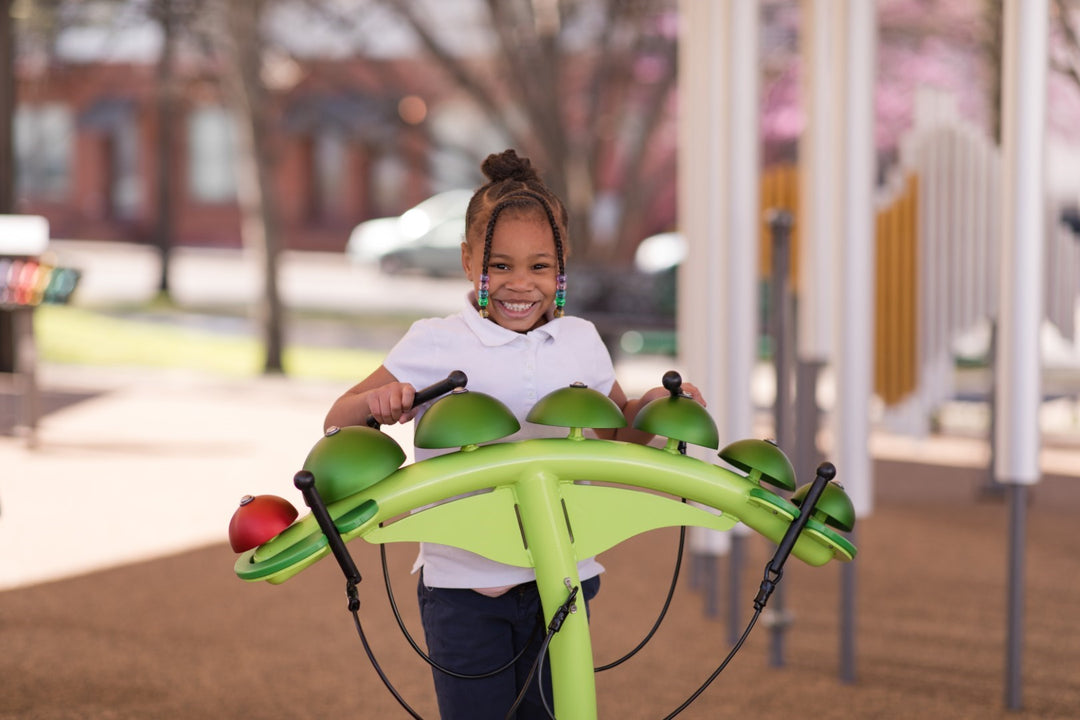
x: 514, y: 343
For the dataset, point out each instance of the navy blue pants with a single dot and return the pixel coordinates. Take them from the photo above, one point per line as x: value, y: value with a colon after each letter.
x: 470, y: 633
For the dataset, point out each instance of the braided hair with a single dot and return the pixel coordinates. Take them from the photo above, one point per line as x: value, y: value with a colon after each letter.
x: 514, y: 183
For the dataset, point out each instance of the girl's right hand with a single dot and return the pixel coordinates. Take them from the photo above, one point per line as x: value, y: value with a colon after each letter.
x: 392, y: 403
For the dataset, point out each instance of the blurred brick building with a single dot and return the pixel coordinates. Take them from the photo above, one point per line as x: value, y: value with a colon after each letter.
x: 87, y: 150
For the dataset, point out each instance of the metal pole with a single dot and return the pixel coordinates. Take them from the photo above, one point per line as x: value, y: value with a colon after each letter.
x: 712, y: 593
x: 1015, y: 637
x: 705, y: 578
x: 719, y: 171
x: 780, y: 222
x: 807, y: 413
x: 847, y: 620
x: 1017, y: 364
x: 696, y: 571
x: 854, y: 318
x: 736, y: 553
x: 990, y: 487
x: 26, y: 373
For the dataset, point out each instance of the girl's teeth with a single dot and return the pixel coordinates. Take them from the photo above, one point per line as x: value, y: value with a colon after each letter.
x: 517, y: 307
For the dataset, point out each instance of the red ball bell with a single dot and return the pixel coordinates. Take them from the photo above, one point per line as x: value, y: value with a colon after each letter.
x: 259, y: 519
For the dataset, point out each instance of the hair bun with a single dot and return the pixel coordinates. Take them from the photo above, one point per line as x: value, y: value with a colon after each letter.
x: 508, y: 166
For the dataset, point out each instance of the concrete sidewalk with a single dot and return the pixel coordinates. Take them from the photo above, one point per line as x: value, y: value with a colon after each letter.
x: 150, y: 463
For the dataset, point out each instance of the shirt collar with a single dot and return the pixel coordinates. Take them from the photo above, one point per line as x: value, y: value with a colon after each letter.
x: 492, y: 334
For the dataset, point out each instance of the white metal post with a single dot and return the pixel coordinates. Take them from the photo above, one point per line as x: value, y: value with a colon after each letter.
x: 1018, y: 361
x: 719, y: 178
x: 854, y: 324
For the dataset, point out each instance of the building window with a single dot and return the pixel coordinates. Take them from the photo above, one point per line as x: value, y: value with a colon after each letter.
x: 126, y: 190
x: 44, y: 139
x: 389, y: 175
x: 331, y: 155
x: 110, y: 124
x: 211, y: 147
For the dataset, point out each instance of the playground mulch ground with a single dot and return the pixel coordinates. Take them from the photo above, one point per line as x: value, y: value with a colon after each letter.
x: 181, y: 637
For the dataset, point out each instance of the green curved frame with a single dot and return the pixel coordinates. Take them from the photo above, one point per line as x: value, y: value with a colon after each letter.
x: 536, y: 512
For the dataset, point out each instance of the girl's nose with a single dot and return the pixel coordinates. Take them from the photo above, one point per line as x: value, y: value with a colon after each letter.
x: 520, y: 279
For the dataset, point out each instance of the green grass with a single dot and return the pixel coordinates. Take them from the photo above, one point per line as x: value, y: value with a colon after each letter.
x: 71, y: 335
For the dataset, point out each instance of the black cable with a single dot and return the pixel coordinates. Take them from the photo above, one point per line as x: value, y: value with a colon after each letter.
x: 718, y: 670
x: 540, y: 688
x: 663, y: 610
x: 667, y: 601
x: 556, y: 623
x: 528, y: 680
x: 354, y: 608
x: 427, y: 658
x: 773, y: 573
x: 554, y: 626
x: 378, y: 669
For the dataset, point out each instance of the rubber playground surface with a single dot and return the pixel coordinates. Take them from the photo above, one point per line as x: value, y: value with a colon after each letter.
x: 179, y: 636
x: 182, y: 638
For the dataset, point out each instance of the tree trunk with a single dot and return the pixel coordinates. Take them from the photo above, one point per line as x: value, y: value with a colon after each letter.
x: 166, y: 140
x: 7, y: 108
x: 260, y: 229
x: 7, y: 160
x: 993, y: 50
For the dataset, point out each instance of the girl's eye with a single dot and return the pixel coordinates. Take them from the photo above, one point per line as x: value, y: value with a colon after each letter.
x: 541, y: 266
x: 500, y: 266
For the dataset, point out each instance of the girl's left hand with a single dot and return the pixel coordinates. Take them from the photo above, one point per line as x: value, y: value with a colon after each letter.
x: 692, y: 390
x: 687, y: 389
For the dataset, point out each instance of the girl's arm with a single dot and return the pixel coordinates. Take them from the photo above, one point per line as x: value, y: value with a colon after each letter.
x: 630, y: 410
x: 379, y: 394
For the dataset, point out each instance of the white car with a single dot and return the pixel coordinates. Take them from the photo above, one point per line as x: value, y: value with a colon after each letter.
x: 372, y: 239
x: 660, y: 252
x: 436, y: 253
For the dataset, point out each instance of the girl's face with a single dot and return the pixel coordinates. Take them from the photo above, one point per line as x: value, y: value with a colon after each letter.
x: 521, y: 270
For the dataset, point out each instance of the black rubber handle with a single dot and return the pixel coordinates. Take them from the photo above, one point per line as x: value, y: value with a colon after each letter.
x: 305, y: 483
x: 826, y: 471
x: 672, y: 382
x: 456, y: 379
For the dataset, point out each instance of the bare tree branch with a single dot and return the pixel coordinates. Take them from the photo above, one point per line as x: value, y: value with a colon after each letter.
x: 583, y: 110
x: 240, y: 38
x: 1067, y: 61
x: 458, y: 71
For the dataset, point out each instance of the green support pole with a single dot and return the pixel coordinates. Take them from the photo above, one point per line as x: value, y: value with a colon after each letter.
x: 548, y: 540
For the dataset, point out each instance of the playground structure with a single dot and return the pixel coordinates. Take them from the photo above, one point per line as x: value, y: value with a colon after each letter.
x: 545, y: 503
x: 940, y: 228
x: 937, y: 240
x: 29, y: 278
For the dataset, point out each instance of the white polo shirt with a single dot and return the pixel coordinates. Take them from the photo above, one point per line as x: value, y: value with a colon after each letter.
x: 516, y: 368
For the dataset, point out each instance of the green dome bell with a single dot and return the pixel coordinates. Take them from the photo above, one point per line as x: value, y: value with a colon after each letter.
x: 577, y: 406
x: 678, y: 417
x: 464, y: 418
x: 350, y: 459
x: 833, y: 507
x: 761, y: 460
